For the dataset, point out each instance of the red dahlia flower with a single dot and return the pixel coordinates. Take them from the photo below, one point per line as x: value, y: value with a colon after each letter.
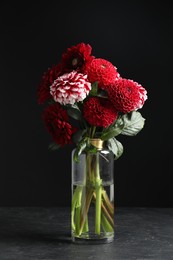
x: 99, y: 112
x: 127, y: 95
x: 102, y: 71
x: 70, y: 88
x: 76, y: 56
x: 47, y: 79
x: 56, y: 121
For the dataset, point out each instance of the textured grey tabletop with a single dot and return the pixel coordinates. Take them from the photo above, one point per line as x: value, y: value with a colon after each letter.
x: 44, y: 233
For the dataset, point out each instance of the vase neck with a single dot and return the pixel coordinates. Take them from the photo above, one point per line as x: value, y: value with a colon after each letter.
x: 98, y: 143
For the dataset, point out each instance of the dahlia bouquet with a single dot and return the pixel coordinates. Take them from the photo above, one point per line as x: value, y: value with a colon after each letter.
x: 86, y: 98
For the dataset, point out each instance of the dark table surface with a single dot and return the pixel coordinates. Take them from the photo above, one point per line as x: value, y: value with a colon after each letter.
x: 44, y: 233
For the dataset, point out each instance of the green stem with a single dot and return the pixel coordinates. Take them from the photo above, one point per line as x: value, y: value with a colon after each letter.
x: 75, y: 200
x: 93, y: 131
x: 98, y: 197
x: 109, y: 206
x: 98, y: 209
x: 88, y: 167
x: 109, y: 218
x: 89, y: 195
x: 105, y: 224
x: 85, y: 227
x: 78, y: 210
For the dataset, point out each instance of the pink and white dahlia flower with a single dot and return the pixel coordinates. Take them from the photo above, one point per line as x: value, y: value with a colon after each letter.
x: 70, y: 88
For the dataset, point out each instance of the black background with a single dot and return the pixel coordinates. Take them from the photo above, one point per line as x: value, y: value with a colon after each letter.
x: 136, y: 36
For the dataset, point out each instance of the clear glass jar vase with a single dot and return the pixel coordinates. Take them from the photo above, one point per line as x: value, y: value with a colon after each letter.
x: 92, y: 209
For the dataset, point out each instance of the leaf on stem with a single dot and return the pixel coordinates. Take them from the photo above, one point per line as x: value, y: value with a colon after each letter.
x: 94, y: 88
x: 53, y: 146
x: 79, y: 148
x: 133, y: 123
x: 77, y: 136
x: 74, y: 113
x: 116, y: 147
x: 113, y: 130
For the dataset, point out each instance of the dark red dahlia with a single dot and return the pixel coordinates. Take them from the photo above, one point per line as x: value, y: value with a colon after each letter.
x: 102, y: 71
x: 56, y: 121
x: 127, y: 95
x: 48, y: 78
x: 76, y: 56
x: 99, y: 112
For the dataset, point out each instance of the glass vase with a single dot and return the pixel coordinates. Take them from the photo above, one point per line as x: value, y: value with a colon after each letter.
x: 92, y: 209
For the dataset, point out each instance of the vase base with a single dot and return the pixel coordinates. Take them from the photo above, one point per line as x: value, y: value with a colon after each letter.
x: 92, y: 240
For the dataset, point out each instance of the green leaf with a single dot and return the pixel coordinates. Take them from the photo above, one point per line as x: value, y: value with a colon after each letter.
x: 79, y: 149
x: 113, y: 130
x: 51, y: 101
x: 91, y: 149
x: 133, y: 123
x: 116, y: 147
x: 102, y: 93
x: 77, y: 136
x: 74, y: 113
x: 53, y: 146
x: 94, y: 88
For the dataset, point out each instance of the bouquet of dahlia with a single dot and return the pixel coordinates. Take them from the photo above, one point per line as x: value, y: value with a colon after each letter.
x: 86, y: 98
